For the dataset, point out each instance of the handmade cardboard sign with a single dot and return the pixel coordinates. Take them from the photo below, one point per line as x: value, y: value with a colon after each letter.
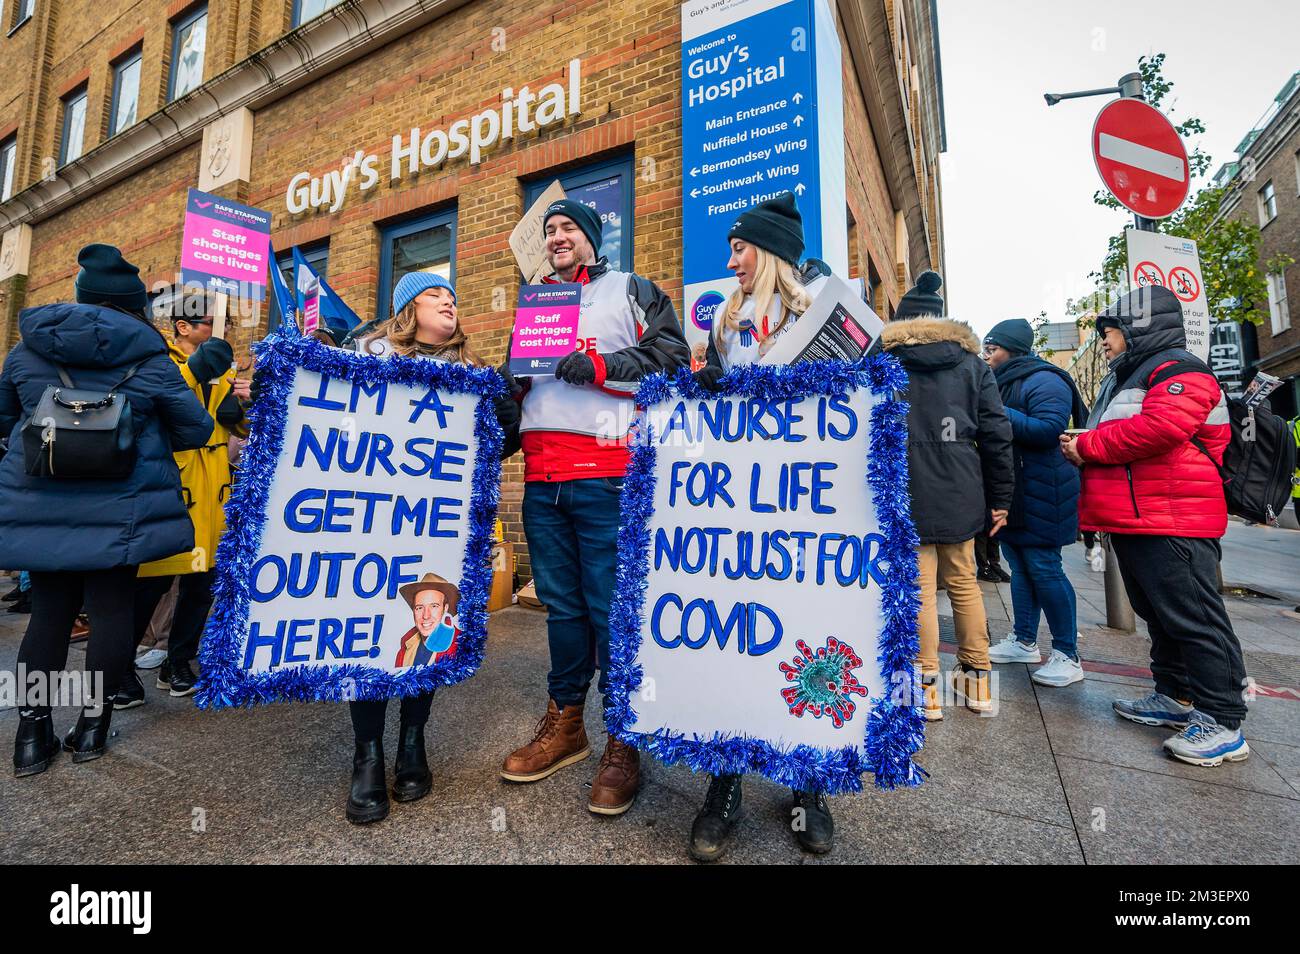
x: 546, y: 327
x: 356, y: 561
x: 764, y: 618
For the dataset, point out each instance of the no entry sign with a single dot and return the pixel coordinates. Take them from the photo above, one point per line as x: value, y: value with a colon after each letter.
x: 1141, y: 158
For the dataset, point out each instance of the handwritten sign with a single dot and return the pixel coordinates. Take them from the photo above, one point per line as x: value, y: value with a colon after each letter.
x: 357, y: 559
x: 546, y: 327
x: 774, y: 550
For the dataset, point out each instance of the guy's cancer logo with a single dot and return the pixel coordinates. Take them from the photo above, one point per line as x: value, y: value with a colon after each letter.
x: 823, y: 681
x: 704, y: 309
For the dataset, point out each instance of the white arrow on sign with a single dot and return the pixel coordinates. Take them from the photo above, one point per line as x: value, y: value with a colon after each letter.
x: 798, y: 120
x: 695, y: 193
x: 800, y: 189
x: 695, y: 170
x: 798, y: 98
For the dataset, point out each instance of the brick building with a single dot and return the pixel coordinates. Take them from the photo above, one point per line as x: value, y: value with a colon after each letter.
x: 1263, y: 186
x: 121, y: 106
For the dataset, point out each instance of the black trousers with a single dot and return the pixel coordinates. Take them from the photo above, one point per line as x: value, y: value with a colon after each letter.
x: 193, y: 602
x: 987, y: 551
x: 368, y: 715
x: 1172, y: 583
x: 57, y: 598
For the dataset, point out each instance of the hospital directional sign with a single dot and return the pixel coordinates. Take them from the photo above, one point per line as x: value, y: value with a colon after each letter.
x: 762, y: 112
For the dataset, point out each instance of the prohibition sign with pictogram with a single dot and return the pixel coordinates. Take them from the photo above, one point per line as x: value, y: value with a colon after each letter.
x: 1147, y: 274
x: 1183, y: 283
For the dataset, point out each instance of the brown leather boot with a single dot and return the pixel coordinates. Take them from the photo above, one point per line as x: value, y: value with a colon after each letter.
x: 617, y: 779
x: 560, y: 740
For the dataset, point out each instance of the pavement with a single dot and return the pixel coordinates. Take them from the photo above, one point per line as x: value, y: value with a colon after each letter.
x: 1054, y: 777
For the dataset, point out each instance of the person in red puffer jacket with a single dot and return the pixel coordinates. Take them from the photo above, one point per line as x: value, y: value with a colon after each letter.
x: 1150, y: 462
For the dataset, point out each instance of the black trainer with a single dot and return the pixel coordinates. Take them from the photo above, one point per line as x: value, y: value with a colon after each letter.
x: 131, y: 693
x: 811, y: 822
x: 712, y: 828
x: 178, y: 677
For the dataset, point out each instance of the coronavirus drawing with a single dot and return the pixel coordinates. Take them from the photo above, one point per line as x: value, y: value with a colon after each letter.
x: 824, y: 683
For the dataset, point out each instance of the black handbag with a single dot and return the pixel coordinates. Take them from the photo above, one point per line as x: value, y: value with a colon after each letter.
x: 77, y: 433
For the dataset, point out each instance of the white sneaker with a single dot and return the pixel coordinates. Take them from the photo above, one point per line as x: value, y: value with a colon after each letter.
x: 1097, y: 560
x: 1060, y: 670
x: 1012, y: 650
x: 151, y: 659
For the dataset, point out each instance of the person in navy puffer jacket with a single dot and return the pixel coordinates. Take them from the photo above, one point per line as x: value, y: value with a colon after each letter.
x: 1040, y: 400
x: 83, y: 538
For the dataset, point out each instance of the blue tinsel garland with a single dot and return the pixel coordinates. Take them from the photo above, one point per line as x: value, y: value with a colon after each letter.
x: 224, y: 682
x: 894, y: 731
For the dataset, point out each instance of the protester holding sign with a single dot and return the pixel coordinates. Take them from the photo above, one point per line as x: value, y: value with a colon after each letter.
x: 574, y: 437
x: 206, y: 365
x: 766, y: 243
x: 425, y: 324
x: 83, y: 537
x: 1151, y: 479
x: 1040, y: 401
x: 961, y: 476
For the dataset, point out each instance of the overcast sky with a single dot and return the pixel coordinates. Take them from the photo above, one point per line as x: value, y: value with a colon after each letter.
x: 1021, y: 230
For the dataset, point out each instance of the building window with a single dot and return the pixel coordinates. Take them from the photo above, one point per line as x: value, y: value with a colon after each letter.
x: 189, y: 39
x: 126, y: 93
x: 607, y: 188
x: 304, y: 10
x: 23, y: 11
x: 317, y: 256
x: 1278, y: 308
x: 74, y: 127
x: 1267, y: 204
x: 8, y: 159
x: 422, y: 245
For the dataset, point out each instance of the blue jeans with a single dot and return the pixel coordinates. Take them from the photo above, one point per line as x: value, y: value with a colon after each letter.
x: 1039, y: 586
x: 572, y: 531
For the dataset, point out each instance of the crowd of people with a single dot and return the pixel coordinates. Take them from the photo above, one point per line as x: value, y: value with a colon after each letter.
x: 1003, y: 454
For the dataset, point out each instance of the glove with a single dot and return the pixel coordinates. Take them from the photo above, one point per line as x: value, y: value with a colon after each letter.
x: 708, y: 377
x: 507, y: 409
x: 513, y: 387
x: 255, y: 386
x: 576, y: 368
x: 211, y: 359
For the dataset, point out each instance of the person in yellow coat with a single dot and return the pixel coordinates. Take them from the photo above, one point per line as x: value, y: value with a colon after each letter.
x: 206, y: 363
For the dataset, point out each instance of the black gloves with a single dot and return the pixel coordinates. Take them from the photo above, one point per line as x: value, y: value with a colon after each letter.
x: 708, y: 377
x: 576, y: 368
x: 211, y: 359
x: 513, y: 387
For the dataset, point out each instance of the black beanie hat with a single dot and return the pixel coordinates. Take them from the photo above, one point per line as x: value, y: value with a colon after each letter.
x: 1014, y: 334
x: 583, y: 215
x: 774, y: 225
x: 107, y: 278
x: 923, y: 298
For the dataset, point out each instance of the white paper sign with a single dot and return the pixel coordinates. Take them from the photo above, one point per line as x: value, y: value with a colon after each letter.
x: 1169, y: 260
x: 762, y: 612
x: 366, y: 528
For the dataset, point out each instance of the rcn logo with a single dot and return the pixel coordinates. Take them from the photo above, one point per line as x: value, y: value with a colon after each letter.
x: 705, y: 309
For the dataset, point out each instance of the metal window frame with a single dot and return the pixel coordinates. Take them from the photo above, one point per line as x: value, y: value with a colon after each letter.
x: 120, y: 67
x: 587, y: 174
x: 178, y: 26
x: 298, y: 21
x: 390, y: 233
x: 6, y: 145
x: 82, y: 93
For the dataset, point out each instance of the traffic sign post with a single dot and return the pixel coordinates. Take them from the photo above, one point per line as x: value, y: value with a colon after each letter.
x: 762, y: 112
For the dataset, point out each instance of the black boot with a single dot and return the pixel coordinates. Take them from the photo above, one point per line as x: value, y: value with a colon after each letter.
x: 711, y: 830
x: 35, y: 745
x: 813, y: 826
x: 89, y: 737
x: 412, y: 779
x: 368, y: 797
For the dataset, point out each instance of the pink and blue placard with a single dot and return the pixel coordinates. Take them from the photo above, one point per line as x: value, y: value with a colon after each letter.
x: 546, y: 327
x: 226, y: 246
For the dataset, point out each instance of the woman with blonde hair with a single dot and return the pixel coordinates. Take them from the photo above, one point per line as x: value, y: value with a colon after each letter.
x: 773, y: 294
x: 773, y: 291
x: 425, y: 324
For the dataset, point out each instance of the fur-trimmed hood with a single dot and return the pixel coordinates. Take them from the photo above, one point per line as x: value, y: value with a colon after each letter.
x: 922, y: 331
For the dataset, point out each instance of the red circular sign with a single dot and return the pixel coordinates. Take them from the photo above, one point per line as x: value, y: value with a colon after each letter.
x: 1141, y: 158
x: 1148, y: 273
x: 1183, y: 283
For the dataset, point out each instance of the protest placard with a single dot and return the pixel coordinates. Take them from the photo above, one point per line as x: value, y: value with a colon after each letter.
x: 225, y: 246
x: 356, y: 562
x: 765, y: 614
x: 838, y: 326
x: 528, y: 238
x: 546, y: 327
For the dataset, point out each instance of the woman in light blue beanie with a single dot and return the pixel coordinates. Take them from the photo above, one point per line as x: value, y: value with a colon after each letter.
x: 425, y: 322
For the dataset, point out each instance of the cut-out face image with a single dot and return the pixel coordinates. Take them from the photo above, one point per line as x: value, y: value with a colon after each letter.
x: 427, y: 610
